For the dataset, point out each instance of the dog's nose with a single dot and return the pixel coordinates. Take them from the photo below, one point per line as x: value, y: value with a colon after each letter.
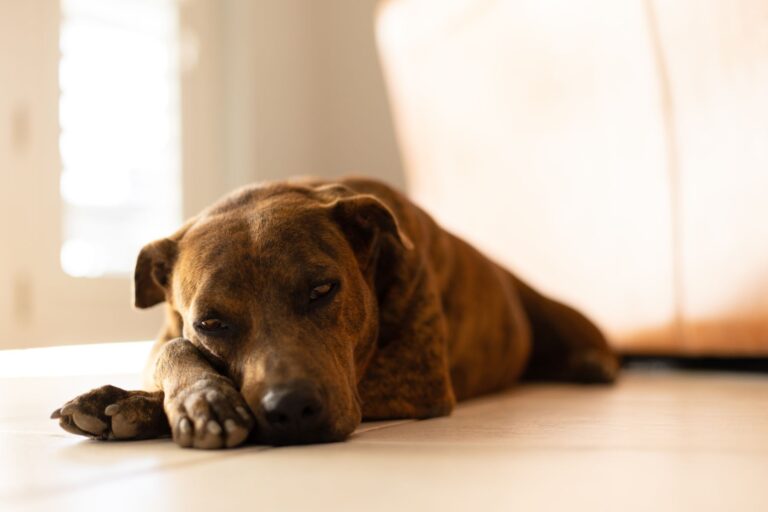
x: 294, y: 407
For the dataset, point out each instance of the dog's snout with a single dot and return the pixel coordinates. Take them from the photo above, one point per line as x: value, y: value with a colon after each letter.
x: 293, y: 408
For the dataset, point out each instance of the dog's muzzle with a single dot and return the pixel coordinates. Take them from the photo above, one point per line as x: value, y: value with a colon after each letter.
x: 293, y: 413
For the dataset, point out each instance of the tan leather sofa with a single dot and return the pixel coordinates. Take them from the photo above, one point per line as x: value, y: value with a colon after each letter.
x: 613, y: 153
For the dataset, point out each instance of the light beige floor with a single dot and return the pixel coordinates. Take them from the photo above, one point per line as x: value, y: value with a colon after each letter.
x: 656, y: 441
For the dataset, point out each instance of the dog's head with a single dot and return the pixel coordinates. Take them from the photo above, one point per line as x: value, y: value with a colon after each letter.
x: 275, y: 285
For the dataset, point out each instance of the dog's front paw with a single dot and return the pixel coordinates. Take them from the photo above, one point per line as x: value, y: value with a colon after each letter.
x: 109, y: 412
x: 210, y: 414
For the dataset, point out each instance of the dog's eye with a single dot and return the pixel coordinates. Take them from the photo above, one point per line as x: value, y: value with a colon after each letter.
x: 321, y: 291
x: 211, y: 325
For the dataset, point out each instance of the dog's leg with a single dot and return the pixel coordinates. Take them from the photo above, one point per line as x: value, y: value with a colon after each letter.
x: 185, y: 397
x: 408, y: 376
x: 416, y: 386
x: 200, y: 407
x: 566, y: 346
x: 109, y: 412
x: 204, y: 408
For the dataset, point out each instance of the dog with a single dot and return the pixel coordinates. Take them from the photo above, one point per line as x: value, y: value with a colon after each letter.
x: 296, y: 309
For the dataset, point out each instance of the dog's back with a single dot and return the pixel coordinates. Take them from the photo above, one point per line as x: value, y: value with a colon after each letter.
x: 499, y: 328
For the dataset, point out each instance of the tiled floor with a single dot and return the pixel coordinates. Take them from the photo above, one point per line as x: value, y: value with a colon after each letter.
x: 656, y: 441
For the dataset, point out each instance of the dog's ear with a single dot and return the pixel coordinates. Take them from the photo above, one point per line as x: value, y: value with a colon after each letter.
x: 364, y: 220
x: 153, y: 272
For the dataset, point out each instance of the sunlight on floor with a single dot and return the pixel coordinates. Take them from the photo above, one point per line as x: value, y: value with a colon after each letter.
x: 658, y: 440
x: 96, y: 359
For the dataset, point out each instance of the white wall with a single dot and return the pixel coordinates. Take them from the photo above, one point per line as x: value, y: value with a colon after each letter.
x: 274, y: 89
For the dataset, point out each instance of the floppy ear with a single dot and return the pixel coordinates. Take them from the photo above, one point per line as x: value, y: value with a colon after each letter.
x: 365, y: 220
x: 153, y: 272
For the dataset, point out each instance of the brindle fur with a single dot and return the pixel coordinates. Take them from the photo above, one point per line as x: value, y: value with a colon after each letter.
x: 421, y: 319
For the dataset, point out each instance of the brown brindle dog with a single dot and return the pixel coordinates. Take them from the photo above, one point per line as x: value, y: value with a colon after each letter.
x: 296, y: 309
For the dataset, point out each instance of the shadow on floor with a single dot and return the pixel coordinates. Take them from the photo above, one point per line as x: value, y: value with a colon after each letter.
x: 725, y: 364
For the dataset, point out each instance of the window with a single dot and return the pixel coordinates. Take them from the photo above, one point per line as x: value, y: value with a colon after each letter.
x: 120, y: 124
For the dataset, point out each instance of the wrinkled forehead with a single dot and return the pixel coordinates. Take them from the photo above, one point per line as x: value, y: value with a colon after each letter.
x: 236, y: 254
